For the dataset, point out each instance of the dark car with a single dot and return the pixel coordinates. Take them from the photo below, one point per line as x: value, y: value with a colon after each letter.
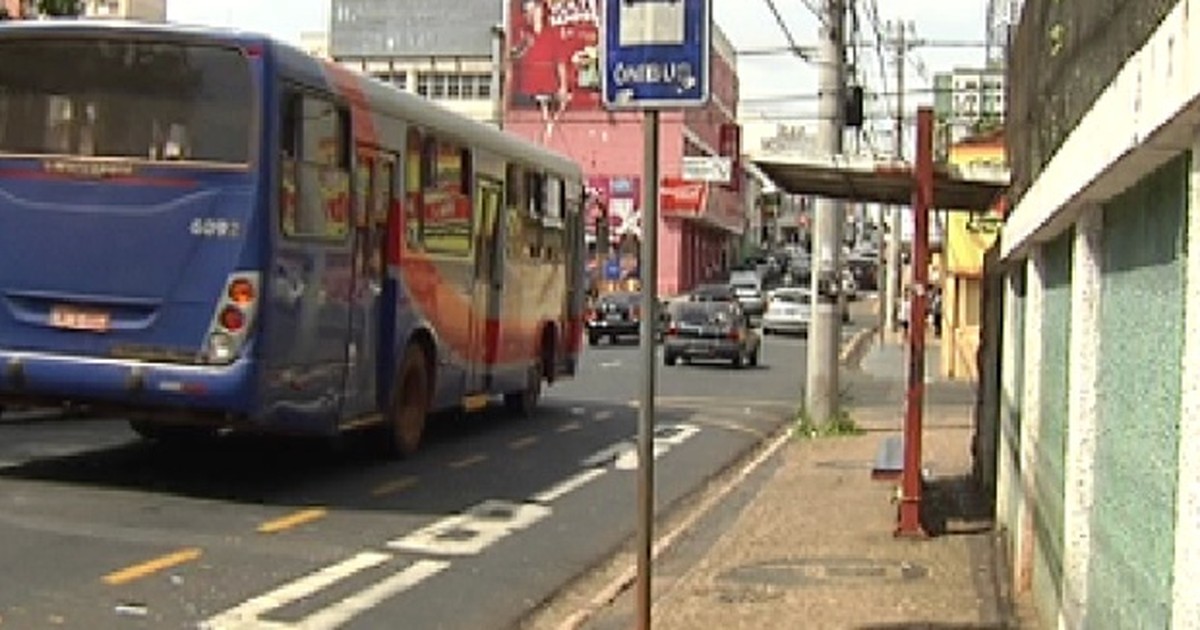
x: 712, y: 293
x: 710, y: 330
x: 614, y: 315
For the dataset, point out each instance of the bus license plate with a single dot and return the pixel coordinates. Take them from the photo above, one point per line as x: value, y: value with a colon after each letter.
x: 78, y: 319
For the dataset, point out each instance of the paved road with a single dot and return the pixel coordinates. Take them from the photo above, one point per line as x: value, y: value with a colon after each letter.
x: 100, y: 530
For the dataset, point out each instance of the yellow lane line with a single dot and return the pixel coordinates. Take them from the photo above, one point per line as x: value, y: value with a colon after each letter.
x: 469, y: 461
x: 293, y: 520
x: 138, y: 571
x: 523, y: 442
x: 394, y: 487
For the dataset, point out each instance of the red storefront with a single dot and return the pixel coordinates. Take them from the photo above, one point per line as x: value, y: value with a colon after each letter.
x: 553, y: 89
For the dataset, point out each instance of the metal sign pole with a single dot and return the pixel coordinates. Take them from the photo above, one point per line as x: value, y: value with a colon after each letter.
x: 655, y: 55
x: 648, y: 266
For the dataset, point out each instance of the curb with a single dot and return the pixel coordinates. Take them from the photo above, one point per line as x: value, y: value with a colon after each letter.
x: 854, y: 350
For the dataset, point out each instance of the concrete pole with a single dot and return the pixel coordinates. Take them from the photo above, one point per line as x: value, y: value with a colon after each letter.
x: 497, y: 79
x: 895, y: 234
x: 821, y: 393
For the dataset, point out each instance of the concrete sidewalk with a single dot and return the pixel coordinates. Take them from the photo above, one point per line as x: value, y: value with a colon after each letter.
x: 808, y: 540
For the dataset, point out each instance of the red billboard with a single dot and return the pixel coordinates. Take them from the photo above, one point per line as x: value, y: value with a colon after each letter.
x: 554, y: 55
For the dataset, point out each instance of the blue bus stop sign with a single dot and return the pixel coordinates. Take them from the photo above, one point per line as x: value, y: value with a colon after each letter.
x: 656, y: 53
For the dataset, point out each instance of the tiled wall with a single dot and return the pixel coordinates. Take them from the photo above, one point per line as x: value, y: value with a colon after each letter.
x: 1052, y: 428
x: 1141, y: 340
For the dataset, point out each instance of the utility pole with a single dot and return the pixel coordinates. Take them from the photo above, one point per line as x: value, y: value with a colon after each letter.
x: 822, y: 392
x: 895, y: 234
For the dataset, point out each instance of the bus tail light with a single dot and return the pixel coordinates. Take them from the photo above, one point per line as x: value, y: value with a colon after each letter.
x: 734, y: 335
x: 233, y: 318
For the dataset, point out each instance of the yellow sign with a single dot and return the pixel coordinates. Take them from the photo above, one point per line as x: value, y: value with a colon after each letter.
x: 970, y: 234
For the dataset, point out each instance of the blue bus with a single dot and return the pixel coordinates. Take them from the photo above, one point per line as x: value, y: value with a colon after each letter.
x: 208, y: 230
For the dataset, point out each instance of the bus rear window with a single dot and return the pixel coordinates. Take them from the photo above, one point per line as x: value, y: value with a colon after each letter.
x: 125, y: 99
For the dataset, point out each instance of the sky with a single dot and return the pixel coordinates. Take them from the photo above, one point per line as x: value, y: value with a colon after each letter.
x: 749, y: 25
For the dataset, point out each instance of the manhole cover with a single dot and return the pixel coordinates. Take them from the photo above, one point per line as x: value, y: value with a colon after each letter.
x: 813, y: 571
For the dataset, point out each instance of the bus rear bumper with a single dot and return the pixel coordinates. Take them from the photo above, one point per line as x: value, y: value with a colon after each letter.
x: 212, y: 392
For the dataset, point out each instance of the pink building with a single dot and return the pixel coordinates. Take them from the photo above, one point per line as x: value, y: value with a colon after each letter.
x: 700, y: 225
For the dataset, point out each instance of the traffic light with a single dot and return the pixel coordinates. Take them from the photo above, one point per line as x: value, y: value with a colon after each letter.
x: 854, y: 106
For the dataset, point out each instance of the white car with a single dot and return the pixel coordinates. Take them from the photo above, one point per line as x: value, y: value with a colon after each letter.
x: 789, y: 310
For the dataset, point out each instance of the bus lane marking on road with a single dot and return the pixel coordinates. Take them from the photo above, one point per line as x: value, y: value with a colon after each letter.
x: 523, y: 442
x: 468, y: 461
x: 338, y: 614
x: 566, y: 486
x: 150, y: 567
x: 468, y: 533
x: 290, y: 521
x: 472, y: 531
x: 247, y: 613
x: 393, y: 487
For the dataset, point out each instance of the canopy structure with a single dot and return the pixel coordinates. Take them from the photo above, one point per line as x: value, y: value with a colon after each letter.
x: 886, y: 182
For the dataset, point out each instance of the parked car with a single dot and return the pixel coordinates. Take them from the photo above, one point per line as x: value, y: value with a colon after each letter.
x: 789, y: 310
x: 710, y: 330
x: 614, y: 315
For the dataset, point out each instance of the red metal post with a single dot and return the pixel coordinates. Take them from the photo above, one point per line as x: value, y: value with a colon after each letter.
x: 909, y: 524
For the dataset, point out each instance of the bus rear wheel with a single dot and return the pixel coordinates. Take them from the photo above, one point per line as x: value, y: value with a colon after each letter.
x: 525, y: 401
x: 410, y: 406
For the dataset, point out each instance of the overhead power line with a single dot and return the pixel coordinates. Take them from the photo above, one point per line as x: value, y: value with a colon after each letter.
x: 787, y: 33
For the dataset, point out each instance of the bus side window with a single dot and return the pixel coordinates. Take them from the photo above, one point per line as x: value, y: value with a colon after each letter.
x: 414, y: 179
x: 516, y: 202
x: 316, y: 168
x: 448, y: 211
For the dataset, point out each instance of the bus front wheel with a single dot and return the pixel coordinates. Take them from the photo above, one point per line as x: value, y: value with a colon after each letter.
x: 410, y: 404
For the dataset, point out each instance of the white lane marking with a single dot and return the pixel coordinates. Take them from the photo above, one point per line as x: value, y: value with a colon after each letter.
x: 624, y: 455
x: 578, y: 411
x: 471, y: 532
x: 603, y: 415
x: 337, y: 614
x: 246, y: 615
x: 566, y: 486
x: 621, y: 583
x: 610, y: 364
x: 608, y: 454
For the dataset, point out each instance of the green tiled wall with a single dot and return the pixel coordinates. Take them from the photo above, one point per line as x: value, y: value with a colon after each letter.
x: 1049, y: 476
x: 1011, y: 402
x: 1141, y: 344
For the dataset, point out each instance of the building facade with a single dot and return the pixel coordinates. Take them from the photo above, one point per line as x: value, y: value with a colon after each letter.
x: 968, y: 101
x: 144, y: 10
x: 1098, y: 471
x: 446, y: 51
x: 969, y: 235
x: 553, y: 97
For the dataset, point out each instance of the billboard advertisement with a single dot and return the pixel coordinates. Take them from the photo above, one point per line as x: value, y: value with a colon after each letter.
x: 554, y: 56
x: 618, y: 199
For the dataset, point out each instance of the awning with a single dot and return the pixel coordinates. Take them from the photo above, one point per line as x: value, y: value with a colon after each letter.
x: 886, y: 182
